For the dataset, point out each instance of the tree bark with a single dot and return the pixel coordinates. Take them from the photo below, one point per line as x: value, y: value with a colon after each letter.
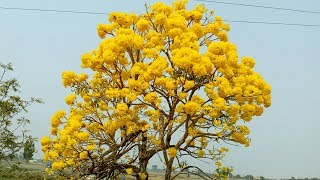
x: 143, y: 158
x: 169, y: 169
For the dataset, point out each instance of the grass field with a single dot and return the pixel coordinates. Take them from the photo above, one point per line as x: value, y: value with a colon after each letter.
x: 160, y: 176
x: 34, y: 171
x: 21, y: 171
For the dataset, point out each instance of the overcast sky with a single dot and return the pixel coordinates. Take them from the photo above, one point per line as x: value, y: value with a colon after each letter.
x: 285, y: 140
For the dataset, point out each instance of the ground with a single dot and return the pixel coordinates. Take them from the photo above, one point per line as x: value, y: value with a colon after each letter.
x: 35, y: 171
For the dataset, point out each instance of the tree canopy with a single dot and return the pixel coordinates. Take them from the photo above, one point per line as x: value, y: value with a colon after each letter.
x: 166, y: 84
x: 12, y: 122
x: 28, y: 149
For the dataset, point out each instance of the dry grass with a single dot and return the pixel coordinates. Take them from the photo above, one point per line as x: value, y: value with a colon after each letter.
x: 152, y: 175
x: 160, y: 176
x: 33, y: 166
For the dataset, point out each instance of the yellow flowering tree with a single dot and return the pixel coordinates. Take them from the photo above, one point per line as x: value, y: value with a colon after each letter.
x: 165, y: 84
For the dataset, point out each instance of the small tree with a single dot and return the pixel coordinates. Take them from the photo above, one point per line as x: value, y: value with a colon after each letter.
x: 248, y: 177
x: 166, y: 84
x: 28, y: 149
x: 237, y: 177
x: 12, y: 106
x: 154, y: 167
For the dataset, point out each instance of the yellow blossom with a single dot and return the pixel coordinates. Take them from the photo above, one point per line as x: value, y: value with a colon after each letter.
x: 83, y: 155
x: 188, y: 84
x: 143, y: 176
x: 201, y: 153
x: 122, y: 108
x: 218, y: 163
x: 172, y: 152
x: 57, y: 165
x: 68, y: 78
x: 82, y: 77
x: 45, y: 140
x: 129, y: 171
x: 70, y: 99
x: 142, y: 25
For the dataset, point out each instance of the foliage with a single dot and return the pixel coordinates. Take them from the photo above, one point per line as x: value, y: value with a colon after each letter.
x: 167, y: 84
x: 154, y: 167
x: 28, y: 149
x: 16, y: 172
x: 12, y: 106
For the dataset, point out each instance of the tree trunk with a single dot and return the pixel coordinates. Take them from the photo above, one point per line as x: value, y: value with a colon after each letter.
x: 143, y: 169
x: 143, y: 158
x: 169, y: 169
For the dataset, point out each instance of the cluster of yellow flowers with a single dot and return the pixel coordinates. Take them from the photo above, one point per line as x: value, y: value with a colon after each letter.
x: 172, y: 152
x: 153, y: 72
